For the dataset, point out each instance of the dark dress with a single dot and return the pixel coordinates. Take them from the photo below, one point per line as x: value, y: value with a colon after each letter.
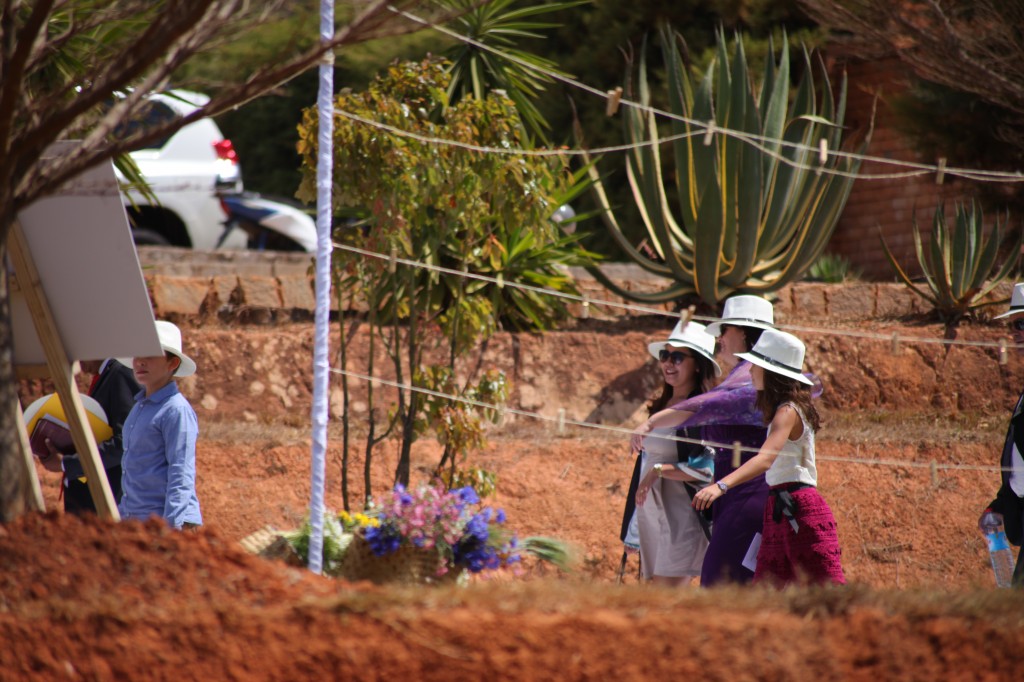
x: 739, y: 514
x: 115, y: 391
x: 1007, y: 502
x: 727, y: 414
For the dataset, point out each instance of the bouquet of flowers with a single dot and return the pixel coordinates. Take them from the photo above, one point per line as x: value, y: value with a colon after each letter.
x: 445, y: 531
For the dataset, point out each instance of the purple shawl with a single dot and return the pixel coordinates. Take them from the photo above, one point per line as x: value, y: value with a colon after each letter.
x: 732, y: 401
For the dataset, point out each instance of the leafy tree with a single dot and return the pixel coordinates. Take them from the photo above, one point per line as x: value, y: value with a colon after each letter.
x: 968, y: 57
x: 446, y: 205
x: 969, y: 45
x: 79, y: 69
x: 264, y: 130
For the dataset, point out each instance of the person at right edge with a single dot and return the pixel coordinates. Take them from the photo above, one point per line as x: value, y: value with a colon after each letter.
x: 1009, y: 502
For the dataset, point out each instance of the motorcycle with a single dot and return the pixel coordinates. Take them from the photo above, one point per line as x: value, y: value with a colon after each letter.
x: 269, y: 225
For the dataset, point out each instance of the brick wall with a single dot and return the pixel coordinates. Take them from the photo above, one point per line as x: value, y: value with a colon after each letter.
x: 886, y: 204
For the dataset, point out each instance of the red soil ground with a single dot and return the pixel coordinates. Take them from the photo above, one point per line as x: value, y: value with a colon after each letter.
x: 95, y: 600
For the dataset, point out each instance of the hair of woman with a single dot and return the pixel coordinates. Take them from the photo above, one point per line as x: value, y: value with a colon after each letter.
x: 779, y: 389
x: 751, y: 334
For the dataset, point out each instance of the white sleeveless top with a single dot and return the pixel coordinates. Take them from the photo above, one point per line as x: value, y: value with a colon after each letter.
x: 795, y: 463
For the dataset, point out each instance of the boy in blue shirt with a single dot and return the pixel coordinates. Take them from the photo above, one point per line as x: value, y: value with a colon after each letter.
x: 160, y: 433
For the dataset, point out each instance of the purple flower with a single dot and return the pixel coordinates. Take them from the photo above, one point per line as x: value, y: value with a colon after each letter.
x: 450, y: 521
x: 467, y: 495
x: 383, y: 539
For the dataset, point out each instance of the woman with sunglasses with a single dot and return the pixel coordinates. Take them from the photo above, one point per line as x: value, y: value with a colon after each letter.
x: 728, y: 414
x: 672, y: 540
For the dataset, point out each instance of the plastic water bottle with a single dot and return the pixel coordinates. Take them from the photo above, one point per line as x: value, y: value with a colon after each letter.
x: 999, y: 551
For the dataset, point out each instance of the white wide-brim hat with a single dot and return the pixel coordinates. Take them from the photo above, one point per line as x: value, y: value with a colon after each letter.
x: 778, y: 352
x: 745, y: 311
x: 691, y: 336
x: 170, y: 341
x: 1016, y: 302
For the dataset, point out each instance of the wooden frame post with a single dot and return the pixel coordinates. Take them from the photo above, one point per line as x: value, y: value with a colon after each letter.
x: 33, y: 494
x: 62, y: 372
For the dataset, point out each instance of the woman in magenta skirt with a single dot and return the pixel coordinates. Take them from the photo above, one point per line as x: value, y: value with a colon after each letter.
x: 800, y: 541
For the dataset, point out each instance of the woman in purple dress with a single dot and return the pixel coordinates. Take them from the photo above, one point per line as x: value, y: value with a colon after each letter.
x: 728, y: 414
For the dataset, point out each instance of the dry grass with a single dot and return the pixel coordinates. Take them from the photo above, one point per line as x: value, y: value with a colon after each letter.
x: 901, y: 428
x: 566, y: 597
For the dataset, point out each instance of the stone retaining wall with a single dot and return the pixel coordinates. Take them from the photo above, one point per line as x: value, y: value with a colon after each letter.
x: 265, y: 288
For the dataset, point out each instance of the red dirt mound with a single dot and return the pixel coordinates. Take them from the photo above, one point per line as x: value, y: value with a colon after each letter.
x: 903, y: 454
x: 93, y: 600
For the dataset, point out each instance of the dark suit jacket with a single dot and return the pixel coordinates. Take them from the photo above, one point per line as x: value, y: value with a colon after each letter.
x: 115, y: 392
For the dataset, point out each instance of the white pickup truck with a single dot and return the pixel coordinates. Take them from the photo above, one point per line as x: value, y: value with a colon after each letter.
x: 187, y: 172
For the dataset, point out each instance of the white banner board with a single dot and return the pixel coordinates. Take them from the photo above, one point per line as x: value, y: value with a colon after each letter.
x: 81, y: 244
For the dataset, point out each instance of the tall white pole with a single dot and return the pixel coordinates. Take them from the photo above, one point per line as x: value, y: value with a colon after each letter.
x: 324, y: 212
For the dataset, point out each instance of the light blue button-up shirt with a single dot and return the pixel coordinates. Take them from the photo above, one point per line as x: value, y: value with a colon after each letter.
x: 159, y: 464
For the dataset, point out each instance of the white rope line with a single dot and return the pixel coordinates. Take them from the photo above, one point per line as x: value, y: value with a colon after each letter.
x: 619, y: 430
x: 566, y: 151
x: 875, y: 336
x: 917, y: 168
x: 511, y: 151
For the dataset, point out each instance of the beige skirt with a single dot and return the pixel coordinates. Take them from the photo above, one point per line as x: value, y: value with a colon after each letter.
x: 672, y: 542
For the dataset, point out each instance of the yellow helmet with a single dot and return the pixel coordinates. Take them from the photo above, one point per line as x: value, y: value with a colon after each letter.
x: 50, y: 405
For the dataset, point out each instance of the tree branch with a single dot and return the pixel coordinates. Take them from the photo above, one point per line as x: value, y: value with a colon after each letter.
x: 39, y: 177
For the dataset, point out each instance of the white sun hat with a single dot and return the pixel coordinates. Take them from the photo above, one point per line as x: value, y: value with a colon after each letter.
x: 170, y: 341
x: 745, y: 311
x: 779, y: 352
x: 691, y: 336
x: 1016, y: 302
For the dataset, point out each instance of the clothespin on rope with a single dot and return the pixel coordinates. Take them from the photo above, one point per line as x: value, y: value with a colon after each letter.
x: 585, y: 310
x: 561, y: 420
x: 895, y: 343
x: 736, y: 454
x: 686, y: 315
x: 500, y: 281
x: 1004, y: 354
x: 614, y: 97
x: 563, y: 157
x: 393, y: 260
x: 709, y: 132
x: 935, y: 473
x: 940, y: 171
x: 822, y: 155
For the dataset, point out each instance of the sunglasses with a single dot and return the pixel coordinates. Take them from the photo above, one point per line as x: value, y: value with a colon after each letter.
x: 677, y: 357
x: 1017, y: 325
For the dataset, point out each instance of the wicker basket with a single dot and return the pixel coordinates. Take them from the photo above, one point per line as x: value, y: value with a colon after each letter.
x: 408, y: 565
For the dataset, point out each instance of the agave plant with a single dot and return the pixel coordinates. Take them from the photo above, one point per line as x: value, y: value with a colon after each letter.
x: 958, y: 262
x: 756, y: 207
x: 832, y: 268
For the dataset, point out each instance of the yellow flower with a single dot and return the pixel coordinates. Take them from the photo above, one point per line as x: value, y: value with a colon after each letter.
x: 366, y: 521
